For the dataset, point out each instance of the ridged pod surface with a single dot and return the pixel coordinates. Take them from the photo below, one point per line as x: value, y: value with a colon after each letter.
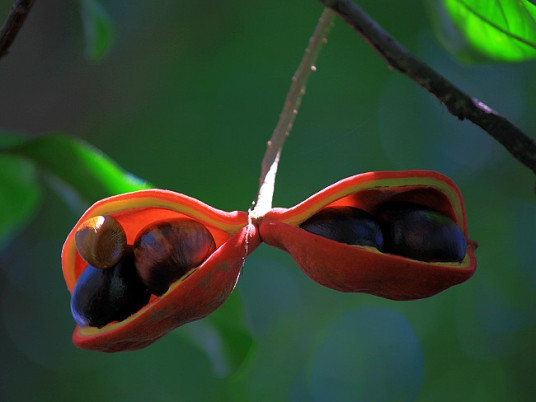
x: 190, y: 298
x: 350, y: 268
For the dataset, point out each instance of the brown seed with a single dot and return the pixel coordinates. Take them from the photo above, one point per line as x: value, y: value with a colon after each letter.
x: 101, y: 241
x: 166, y: 251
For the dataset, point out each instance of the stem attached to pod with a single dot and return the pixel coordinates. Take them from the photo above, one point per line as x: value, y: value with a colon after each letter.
x: 286, y: 119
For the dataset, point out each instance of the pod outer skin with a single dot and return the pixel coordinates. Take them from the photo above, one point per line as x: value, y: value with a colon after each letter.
x: 337, y: 266
x: 349, y: 268
x: 189, y: 299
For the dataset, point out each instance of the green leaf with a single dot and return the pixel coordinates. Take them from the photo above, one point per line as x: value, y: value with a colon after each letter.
x: 237, y: 342
x: 224, y: 336
x: 81, y: 171
x: 87, y: 172
x: 498, y: 30
x: 19, y: 195
x: 98, y: 29
x: 19, y: 191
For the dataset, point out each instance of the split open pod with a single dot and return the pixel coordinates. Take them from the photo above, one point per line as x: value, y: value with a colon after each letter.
x: 140, y: 264
x: 408, y: 239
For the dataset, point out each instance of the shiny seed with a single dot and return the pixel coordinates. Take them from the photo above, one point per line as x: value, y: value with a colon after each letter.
x: 347, y: 225
x: 101, y: 241
x: 102, y: 296
x: 166, y: 251
x: 421, y: 233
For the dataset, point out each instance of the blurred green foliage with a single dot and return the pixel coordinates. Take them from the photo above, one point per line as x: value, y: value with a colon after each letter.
x: 186, y: 99
x: 85, y: 171
x: 98, y: 29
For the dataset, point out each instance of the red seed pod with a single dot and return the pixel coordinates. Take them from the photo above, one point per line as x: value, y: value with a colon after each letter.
x: 190, y: 298
x: 353, y: 268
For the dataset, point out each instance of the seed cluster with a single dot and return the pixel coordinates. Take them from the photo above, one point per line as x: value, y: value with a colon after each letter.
x: 121, y: 280
x: 400, y: 228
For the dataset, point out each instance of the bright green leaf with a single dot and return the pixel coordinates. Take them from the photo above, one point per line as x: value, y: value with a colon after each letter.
x: 500, y: 30
x: 98, y: 29
x: 89, y: 173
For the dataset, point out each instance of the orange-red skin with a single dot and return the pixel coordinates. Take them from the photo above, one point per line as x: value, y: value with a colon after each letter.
x: 192, y: 298
x: 337, y: 266
x: 349, y: 268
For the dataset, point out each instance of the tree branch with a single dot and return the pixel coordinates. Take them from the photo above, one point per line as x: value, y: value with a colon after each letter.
x: 457, y: 102
x: 13, y: 24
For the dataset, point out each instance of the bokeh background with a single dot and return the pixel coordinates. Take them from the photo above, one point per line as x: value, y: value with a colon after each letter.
x: 186, y: 99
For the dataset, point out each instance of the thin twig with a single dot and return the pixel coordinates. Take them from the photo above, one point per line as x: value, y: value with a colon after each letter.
x: 288, y: 114
x: 13, y: 24
x: 457, y: 102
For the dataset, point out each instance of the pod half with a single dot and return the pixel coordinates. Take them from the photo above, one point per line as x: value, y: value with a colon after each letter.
x: 190, y: 298
x: 350, y: 268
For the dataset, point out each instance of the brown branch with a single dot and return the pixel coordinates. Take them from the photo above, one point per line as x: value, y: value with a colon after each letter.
x: 457, y: 102
x: 13, y: 24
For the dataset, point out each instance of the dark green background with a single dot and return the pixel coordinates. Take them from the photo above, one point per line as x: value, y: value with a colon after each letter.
x: 187, y: 98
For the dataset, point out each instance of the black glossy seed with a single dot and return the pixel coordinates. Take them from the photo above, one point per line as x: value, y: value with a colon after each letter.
x: 420, y: 233
x: 347, y: 225
x: 102, y: 296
